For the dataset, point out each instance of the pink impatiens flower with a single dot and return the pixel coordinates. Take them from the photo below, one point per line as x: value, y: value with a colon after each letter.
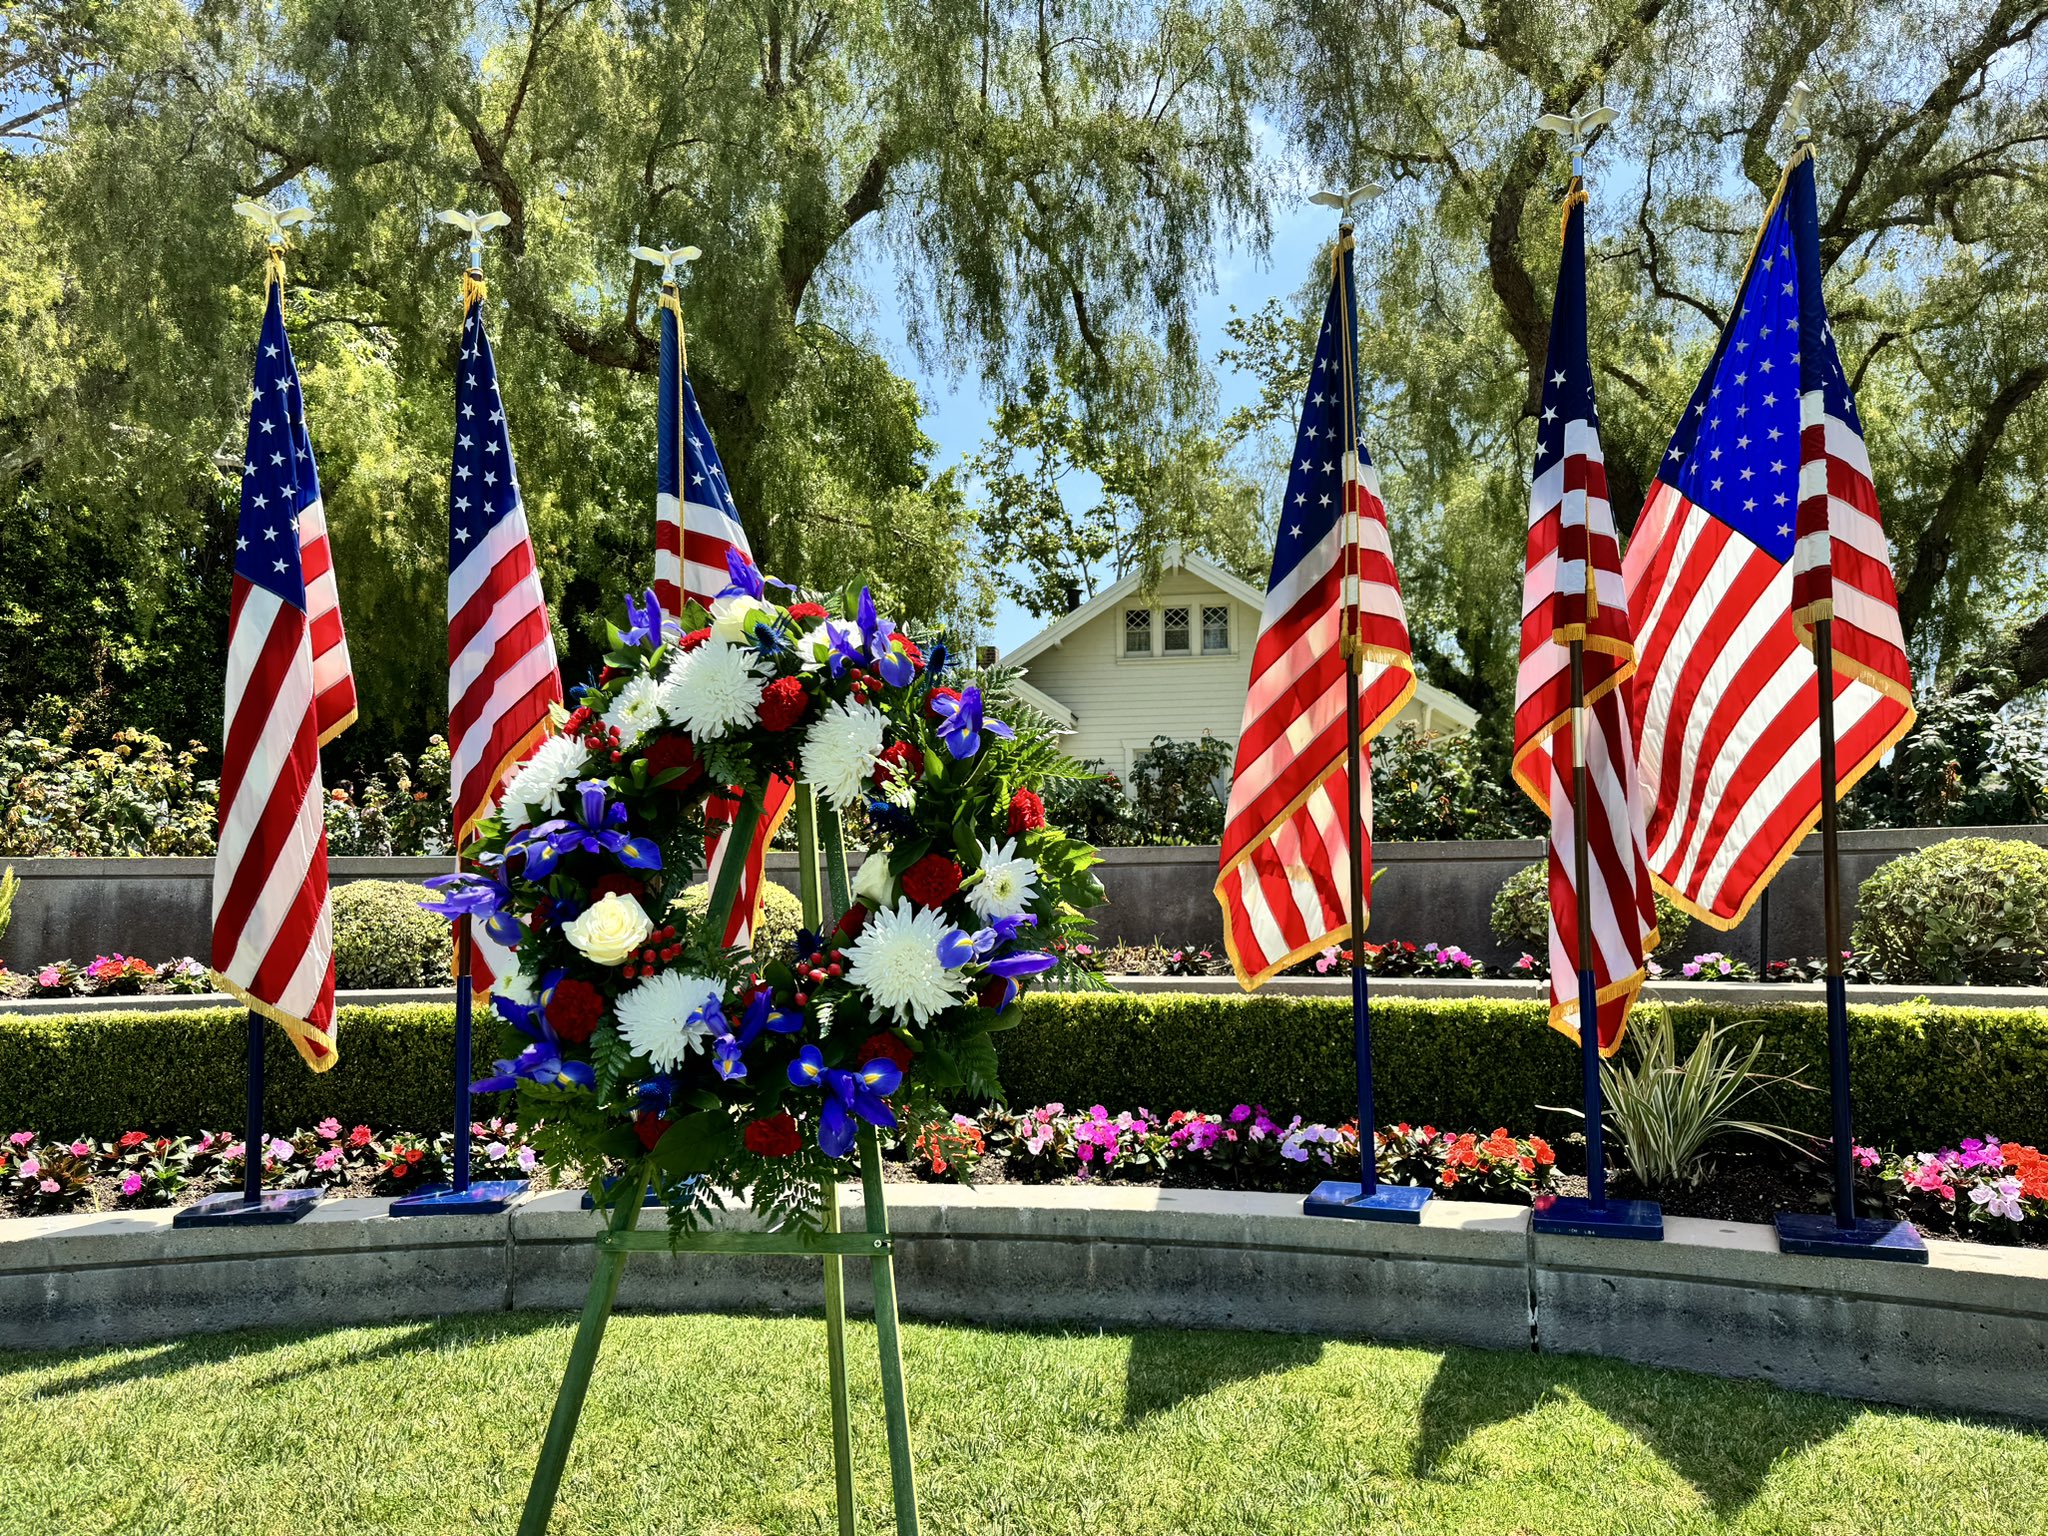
x: 132, y: 1185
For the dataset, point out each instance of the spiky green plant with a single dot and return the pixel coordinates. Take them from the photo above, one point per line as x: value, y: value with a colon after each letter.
x: 1665, y: 1114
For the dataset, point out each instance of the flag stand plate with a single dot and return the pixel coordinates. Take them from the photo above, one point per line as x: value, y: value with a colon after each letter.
x: 485, y: 1197
x: 232, y: 1208
x: 1816, y: 1234
x: 1639, y: 1221
x: 1388, y: 1202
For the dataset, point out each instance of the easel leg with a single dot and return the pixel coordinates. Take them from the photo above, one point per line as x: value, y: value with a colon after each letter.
x: 902, y: 1476
x: 835, y: 1356
x: 597, y: 1311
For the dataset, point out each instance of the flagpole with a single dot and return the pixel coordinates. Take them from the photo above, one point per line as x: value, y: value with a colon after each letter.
x: 461, y: 1195
x: 1589, y: 992
x: 1366, y: 1200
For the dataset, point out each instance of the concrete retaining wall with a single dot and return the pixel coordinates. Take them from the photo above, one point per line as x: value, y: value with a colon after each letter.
x: 1966, y: 1331
x: 160, y: 908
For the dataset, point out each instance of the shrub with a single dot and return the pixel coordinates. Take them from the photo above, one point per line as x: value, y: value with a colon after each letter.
x: 1430, y: 787
x: 1971, y: 910
x: 782, y: 914
x: 137, y: 795
x: 1521, y: 916
x: 1924, y: 1076
x: 383, y: 938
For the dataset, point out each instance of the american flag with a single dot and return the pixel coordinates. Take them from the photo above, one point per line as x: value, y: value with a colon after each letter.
x: 1286, y: 859
x: 1763, y: 517
x: 696, y: 525
x: 1573, y: 589
x: 288, y: 690
x: 502, y: 677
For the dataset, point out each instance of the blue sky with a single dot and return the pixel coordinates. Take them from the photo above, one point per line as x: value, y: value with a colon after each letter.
x: 957, y: 412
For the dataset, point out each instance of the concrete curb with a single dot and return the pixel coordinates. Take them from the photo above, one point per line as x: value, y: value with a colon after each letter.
x: 1970, y: 1328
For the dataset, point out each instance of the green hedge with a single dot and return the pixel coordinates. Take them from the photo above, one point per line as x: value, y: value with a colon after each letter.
x: 1925, y: 1075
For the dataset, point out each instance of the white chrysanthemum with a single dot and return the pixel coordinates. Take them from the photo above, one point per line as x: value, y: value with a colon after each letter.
x: 733, y: 618
x: 841, y: 750
x: 814, y: 647
x: 896, y: 962
x: 667, y: 1016
x: 1007, y: 882
x: 515, y: 986
x: 714, y: 690
x: 636, y: 711
x: 556, y: 763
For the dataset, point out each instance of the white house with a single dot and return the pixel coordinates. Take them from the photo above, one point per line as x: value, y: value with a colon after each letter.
x: 1128, y: 666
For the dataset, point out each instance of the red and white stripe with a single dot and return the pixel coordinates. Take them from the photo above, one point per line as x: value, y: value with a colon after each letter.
x: 273, y: 938
x: 334, y: 682
x: 502, y: 678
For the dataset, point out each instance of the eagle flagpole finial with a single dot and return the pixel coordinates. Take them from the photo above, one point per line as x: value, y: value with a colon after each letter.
x: 668, y: 258
x: 477, y: 225
x: 1344, y: 202
x: 1796, y: 102
x: 1578, y: 130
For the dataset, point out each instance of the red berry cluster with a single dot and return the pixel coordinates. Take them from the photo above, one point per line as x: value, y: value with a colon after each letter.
x: 863, y: 685
x: 661, y: 949
x: 819, y: 966
x: 602, y: 740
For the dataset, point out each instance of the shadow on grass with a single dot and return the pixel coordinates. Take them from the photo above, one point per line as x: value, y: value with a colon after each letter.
x: 1162, y: 1372
x: 211, y: 1348
x: 1722, y: 1437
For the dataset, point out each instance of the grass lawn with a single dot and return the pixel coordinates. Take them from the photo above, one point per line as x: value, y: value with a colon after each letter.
x: 718, y: 1425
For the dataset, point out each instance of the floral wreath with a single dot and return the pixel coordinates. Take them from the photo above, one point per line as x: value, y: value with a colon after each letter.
x: 647, y: 1043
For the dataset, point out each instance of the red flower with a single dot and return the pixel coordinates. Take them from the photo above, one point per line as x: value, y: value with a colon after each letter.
x: 932, y: 879
x: 412, y: 1154
x: 693, y: 639
x: 783, y: 703
x: 574, y: 1009
x: 851, y: 921
x: 133, y: 1139
x: 810, y: 613
x: 909, y: 646
x: 359, y: 1137
x: 650, y: 1129
x: 666, y: 752
x: 1027, y: 812
x: 618, y: 885
x: 885, y: 1047
x: 993, y: 991
x: 939, y: 693
x: 777, y: 1137
x: 905, y: 754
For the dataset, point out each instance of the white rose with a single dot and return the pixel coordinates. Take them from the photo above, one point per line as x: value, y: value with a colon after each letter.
x: 610, y: 929
x: 874, y: 887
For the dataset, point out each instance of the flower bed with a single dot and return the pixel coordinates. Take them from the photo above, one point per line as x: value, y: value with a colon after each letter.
x: 115, y: 975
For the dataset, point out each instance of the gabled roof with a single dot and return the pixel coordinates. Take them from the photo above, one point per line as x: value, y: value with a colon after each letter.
x: 1175, y: 558
x: 1044, y: 703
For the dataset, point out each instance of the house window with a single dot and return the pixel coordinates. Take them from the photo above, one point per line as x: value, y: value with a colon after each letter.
x: 1137, y: 631
x: 1215, y: 627
x: 1176, y: 637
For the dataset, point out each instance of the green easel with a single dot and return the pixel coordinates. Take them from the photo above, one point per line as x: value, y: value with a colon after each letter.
x: 822, y: 871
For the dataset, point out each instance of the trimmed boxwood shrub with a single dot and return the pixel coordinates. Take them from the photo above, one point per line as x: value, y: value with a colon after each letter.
x: 1925, y: 1076
x: 384, y: 938
x: 1972, y: 910
x: 782, y: 913
x: 1521, y: 916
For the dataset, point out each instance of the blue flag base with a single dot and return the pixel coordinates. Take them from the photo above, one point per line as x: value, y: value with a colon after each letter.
x: 1817, y: 1235
x: 1387, y: 1202
x: 1639, y: 1221
x: 232, y: 1208
x: 484, y: 1198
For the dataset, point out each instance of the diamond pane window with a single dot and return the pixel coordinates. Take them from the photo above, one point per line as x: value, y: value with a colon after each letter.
x: 1137, y: 631
x: 1176, y: 638
x: 1216, y: 627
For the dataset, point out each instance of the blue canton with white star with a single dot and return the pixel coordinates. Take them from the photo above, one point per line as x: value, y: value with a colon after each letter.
x: 279, y: 478
x: 1736, y: 451
x: 698, y: 477
x: 1315, y: 481
x: 1567, y: 371
x: 483, y: 486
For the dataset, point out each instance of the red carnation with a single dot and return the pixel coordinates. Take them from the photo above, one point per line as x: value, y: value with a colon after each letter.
x: 693, y: 639
x: 906, y: 754
x: 909, y: 647
x: 618, y: 885
x: 574, y: 1009
x: 1027, y: 812
x: 777, y: 1137
x: 650, y: 1129
x: 666, y: 752
x: 851, y: 921
x: 939, y: 693
x: 885, y: 1047
x: 783, y: 703
x: 932, y: 879
x: 810, y: 613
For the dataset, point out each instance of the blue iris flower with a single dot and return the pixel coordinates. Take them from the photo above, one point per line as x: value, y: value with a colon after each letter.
x: 646, y: 620
x: 655, y: 1096
x: 849, y: 1096
x: 541, y: 1062
x: 486, y: 894
x: 595, y: 830
x: 961, y: 723
x: 761, y: 1014
x: 726, y: 1058
x: 746, y: 577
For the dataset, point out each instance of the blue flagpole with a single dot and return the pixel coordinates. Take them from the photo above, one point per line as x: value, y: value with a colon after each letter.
x: 463, y: 991
x: 252, y: 1120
